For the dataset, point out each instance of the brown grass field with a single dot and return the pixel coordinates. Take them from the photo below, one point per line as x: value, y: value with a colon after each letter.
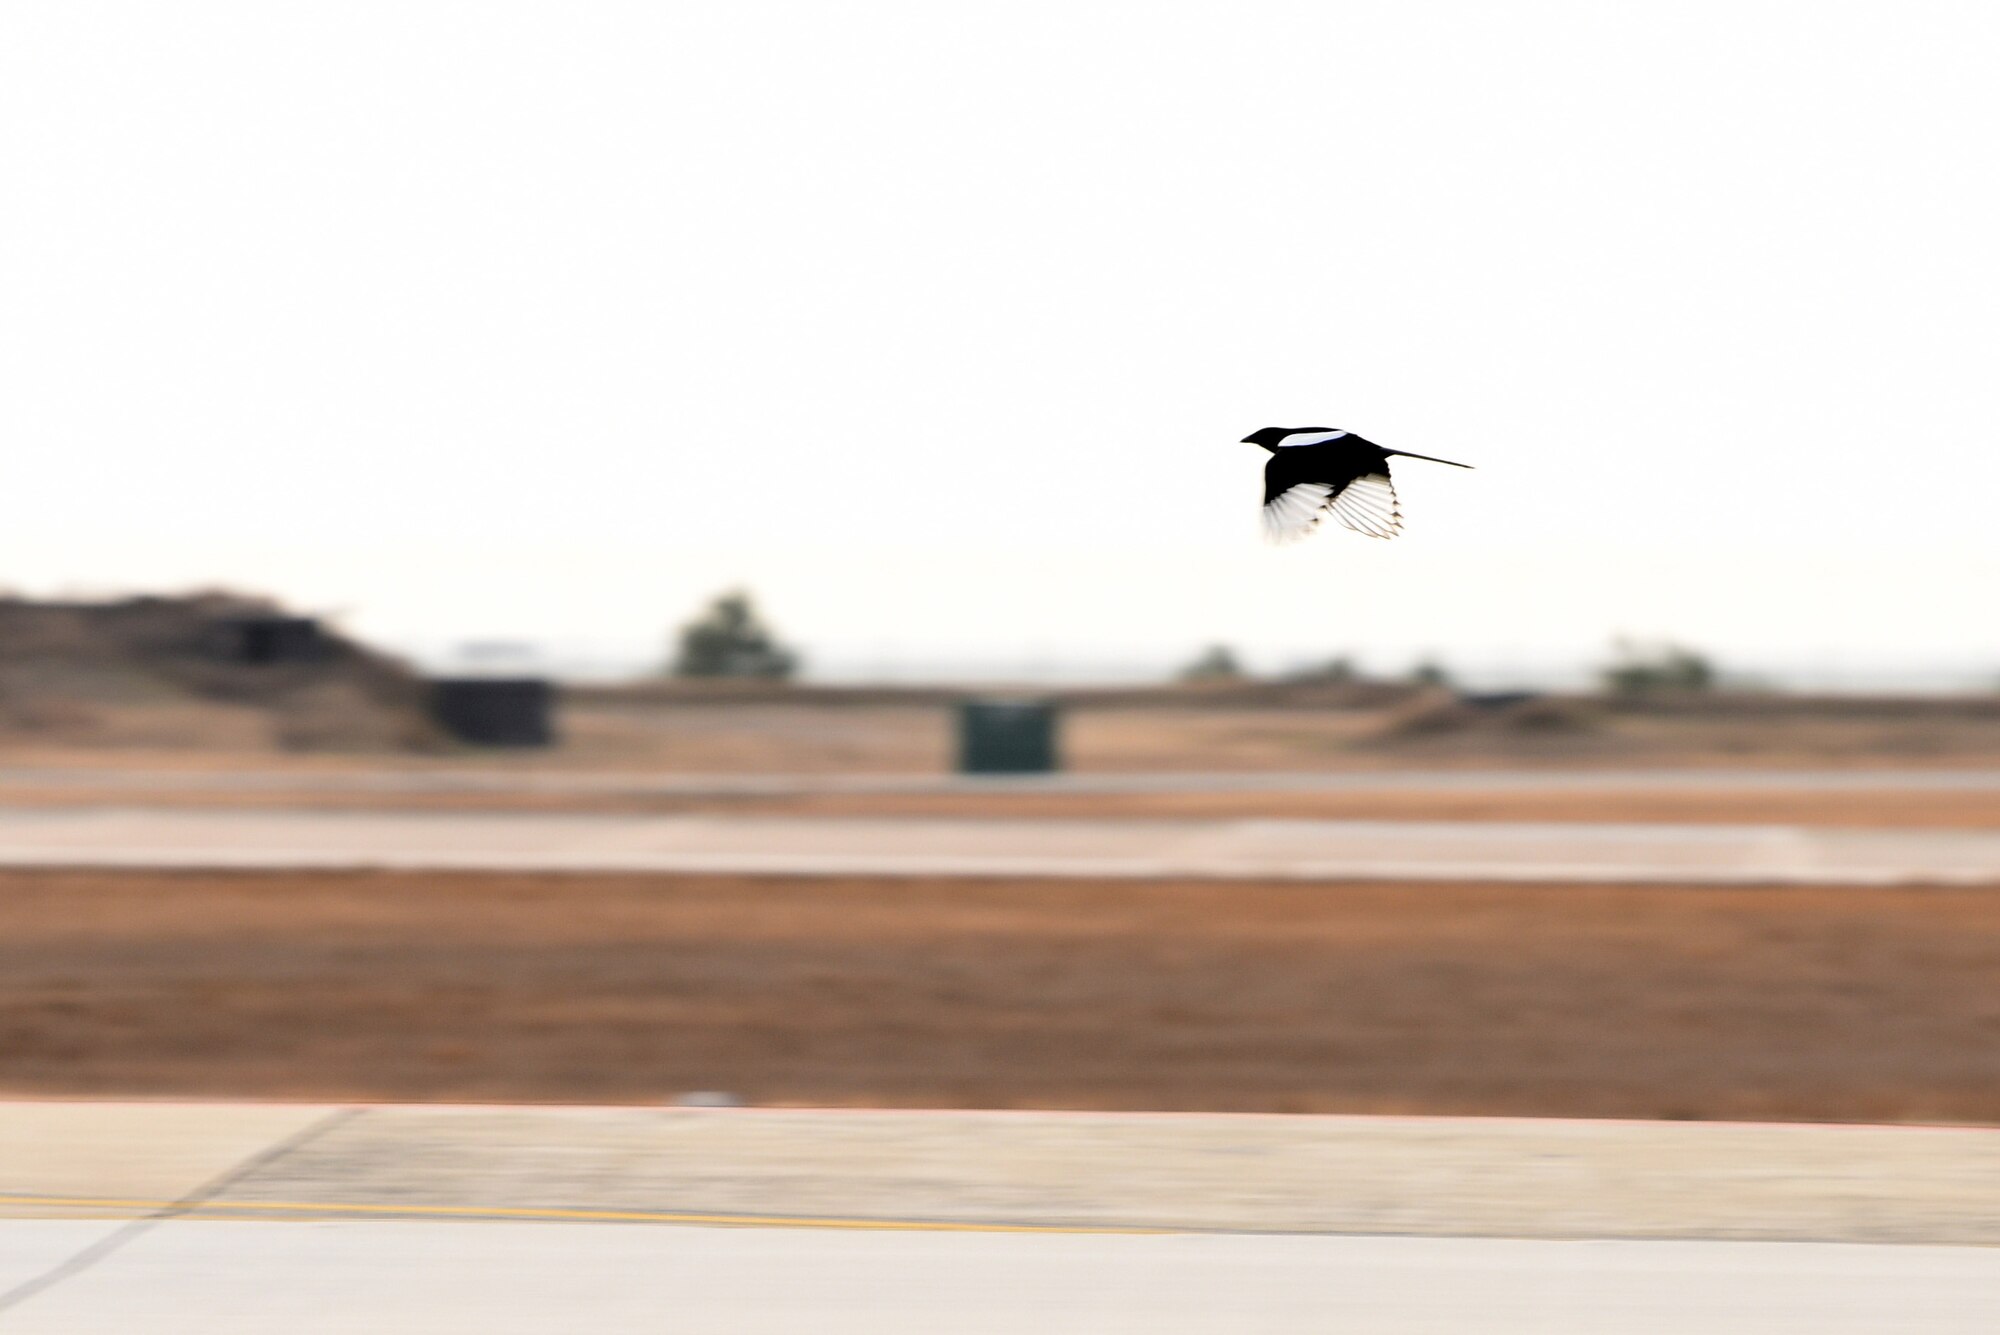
x: 641, y: 732
x: 1840, y: 1004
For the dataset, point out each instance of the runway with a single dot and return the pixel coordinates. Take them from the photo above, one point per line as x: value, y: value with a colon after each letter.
x: 1523, y: 1178
x: 925, y: 846
x: 431, y: 1279
x: 218, y: 1217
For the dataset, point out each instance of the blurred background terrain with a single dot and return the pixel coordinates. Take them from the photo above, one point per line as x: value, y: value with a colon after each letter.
x: 1572, y: 999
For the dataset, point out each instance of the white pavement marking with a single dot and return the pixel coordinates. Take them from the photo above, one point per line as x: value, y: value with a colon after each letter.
x: 915, y: 846
x: 206, y: 1278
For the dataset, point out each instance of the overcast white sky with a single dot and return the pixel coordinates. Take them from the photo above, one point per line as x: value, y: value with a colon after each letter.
x: 937, y: 324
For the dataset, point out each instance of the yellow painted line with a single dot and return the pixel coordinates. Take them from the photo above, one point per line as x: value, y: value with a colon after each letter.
x: 531, y: 1212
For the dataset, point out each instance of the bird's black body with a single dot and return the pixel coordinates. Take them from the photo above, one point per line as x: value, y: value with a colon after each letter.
x: 1314, y: 470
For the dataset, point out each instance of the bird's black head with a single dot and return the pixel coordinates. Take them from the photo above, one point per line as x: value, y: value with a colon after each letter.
x: 1269, y: 436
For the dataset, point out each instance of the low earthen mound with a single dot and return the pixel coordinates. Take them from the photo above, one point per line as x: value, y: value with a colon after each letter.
x: 199, y: 670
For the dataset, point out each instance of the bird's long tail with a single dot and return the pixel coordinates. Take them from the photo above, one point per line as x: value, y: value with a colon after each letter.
x: 1426, y: 458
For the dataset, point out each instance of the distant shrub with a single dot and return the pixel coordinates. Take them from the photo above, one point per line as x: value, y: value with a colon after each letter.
x: 1430, y: 672
x: 1218, y: 662
x: 1333, y: 672
x: 728, y: 639
x: 1648, y: 669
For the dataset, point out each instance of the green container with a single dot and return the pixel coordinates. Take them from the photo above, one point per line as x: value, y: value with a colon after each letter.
x: 1006, y: 737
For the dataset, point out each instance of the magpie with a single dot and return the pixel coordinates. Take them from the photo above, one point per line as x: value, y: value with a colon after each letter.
x: 1316, y: 469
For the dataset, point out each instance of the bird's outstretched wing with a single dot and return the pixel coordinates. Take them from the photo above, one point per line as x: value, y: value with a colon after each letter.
x: 1368, y: 505
x: 1295, y: 511
x: 1303, y: 484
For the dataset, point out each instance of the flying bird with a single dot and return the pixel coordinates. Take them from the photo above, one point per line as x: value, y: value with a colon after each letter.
x: 1317, y: 470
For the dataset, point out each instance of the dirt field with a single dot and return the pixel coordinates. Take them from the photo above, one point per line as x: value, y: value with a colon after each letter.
x: 604, y: 731
x: 1600, y: 1001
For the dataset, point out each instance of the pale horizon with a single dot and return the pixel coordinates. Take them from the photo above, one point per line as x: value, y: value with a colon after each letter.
x: 531, y: 322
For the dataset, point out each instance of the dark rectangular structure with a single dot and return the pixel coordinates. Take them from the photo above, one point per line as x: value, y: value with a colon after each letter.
x: 495, y: 711
x: 261, y: 641
x: 1006, y: 737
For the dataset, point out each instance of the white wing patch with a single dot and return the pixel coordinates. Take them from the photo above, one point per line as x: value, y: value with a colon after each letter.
x: 1309, y: 438
x: 1296, y: 511
x: 1368, y: 505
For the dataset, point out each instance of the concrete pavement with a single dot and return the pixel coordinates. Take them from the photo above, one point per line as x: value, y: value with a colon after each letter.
x: 1501, y: 1177
x: 251, y: 1218
x: 200, y: 1278
x: 1309, y: 849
